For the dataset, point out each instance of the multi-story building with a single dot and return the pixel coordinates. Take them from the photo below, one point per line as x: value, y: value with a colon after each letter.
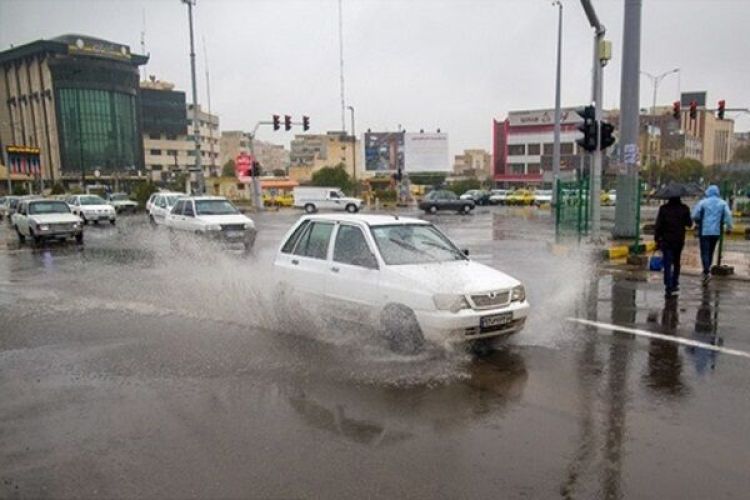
x: 168, y: 133
x: 523, y: 145
x: 473, y: 163
x: 716, y: 135
x: 75, y: 99
x: 311, y: 152
x: 272, y: 157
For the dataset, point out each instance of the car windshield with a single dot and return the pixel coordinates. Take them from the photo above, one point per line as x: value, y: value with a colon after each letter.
x: 119, y: 197
x: 48, y: 207
x: 214, y: 207
x: 92, y: 200
x: 414, y: 244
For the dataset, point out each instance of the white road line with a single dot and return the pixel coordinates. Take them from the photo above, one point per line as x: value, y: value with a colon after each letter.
x: 668, y: 338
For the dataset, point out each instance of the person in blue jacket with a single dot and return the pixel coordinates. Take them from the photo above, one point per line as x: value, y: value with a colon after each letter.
x: 710, y: 214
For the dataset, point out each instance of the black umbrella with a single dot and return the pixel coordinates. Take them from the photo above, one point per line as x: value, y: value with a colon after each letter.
x: 673, y: 190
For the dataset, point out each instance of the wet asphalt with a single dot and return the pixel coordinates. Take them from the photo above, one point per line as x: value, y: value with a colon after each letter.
x: 137, y: 367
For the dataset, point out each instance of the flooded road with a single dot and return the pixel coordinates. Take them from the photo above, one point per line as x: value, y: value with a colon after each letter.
x: 137, y: 367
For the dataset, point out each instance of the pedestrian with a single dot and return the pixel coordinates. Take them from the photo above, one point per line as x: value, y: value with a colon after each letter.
x: 671, y: 222
x: 710, y: 215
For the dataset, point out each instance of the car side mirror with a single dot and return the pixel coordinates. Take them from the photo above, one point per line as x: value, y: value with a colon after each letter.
x: 465, y: 251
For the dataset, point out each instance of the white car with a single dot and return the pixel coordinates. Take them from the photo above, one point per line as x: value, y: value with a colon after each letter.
x: 313, y: 199
x: 41, y: 219
x: 499, y: 196
x: 401, y: 275
x: 122, y: 203
x: 542, y: 196
x: 213, y: 217
x: 161, y: 206
x: 92, y: 208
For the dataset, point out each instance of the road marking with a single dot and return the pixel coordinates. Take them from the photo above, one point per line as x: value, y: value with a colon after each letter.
x: 660, y: 336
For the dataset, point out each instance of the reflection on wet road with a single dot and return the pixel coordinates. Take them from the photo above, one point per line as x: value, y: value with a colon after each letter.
x: 137, y: 367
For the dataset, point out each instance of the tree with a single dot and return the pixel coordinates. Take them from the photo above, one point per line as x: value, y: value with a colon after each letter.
x: 460, y: 187
x: 333, y: 177
x: 742, y: 154
x: 58, y: 188
x: 228, y: 169
x: 683, y: 170
x: 427, y: 179
x: 279, y: 172
x: 143, y: 191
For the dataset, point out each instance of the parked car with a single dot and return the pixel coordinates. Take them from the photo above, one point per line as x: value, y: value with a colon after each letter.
x: 212, y: 217
x: 542, y: 197
x: 122, y: 203
x: 611, y: 197
x: 399, y: 277
x: 7, y: 206
x: 520, y: 197
x: 442, y: 199
x: 41, y: 219
x: 161, y: 206
x: 278, y: 200
x: 313, y: 199
x: 499, y: 196
x: 92, y: 208
x: 480, y: 196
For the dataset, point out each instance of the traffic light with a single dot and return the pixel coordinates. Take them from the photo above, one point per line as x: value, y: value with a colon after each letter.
x: 276, y: 122
x: 693, y: 110
x: 287, y: 123
x: 722, y: 106
x: 305, y: 123
x: 607, y: 129
x: 676, y: 110
x: 256, y: 168
x: 588, y: 127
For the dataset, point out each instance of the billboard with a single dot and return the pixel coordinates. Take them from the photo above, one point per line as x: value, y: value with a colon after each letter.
x: 384, y: 151
x: 699, y: 97
x: 542, y: 117
x: 426, y: 152
x: 163, y: 112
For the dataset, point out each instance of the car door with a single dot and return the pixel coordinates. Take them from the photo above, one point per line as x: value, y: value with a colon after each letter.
x: 353, y: 279
x: 22, y: 218
x: 309, y: 265
x: 174, y: 217
x: 333, y: 200
x: 188, y: 221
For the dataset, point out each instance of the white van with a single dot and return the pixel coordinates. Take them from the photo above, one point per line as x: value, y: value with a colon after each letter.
x: 313, y: 198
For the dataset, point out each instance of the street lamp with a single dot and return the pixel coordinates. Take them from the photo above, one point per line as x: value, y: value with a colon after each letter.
x: 655, y: 81
x: 196, y: 128
x: 556, y: 145
x: 354, y: 150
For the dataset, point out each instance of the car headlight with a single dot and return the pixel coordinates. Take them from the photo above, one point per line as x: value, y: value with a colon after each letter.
x: 42, y: 227
x: 249, y: 225
x: 519, y: 294
x: 213, y: 227
x: 450, y: 302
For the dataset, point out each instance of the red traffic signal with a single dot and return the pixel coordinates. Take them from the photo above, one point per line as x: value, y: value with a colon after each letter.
x: 693, y: 110
x: 276, y: 122
x: 676, y: 110
x: 305, y: 123
x: 722, y: 107
x: 287, y: 123
x: 589, y: 128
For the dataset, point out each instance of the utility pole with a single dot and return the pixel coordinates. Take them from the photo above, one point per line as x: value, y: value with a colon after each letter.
x: 556, y: 145
x: 210, y: 116
x: 196, y: 122
x: 341, y: 65
x: 628, y: 207
x: 354, y: 151
x: 595, y: 178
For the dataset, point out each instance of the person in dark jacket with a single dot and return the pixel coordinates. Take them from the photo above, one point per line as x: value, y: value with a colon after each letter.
x: 671, y: 222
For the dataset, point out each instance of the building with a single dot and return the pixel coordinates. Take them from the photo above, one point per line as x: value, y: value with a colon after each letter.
x: 662, y: 139
x: 716, y: 135
x: 311, y: 152
x: 272, y: 157
x: 523, y: 146
x: 473, y: 163
x: 75, y: 98
x: 168, y: 133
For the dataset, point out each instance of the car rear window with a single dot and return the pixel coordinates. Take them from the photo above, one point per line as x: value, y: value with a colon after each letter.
x: 314, y: 243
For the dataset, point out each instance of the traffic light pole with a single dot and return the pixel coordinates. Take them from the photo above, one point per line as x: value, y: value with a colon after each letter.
x: 257, y: 197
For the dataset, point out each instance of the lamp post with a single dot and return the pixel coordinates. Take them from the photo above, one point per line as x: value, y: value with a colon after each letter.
x: 354, y: 151
x: 556, y: 145
x: 196, y: 129
x: 655, y: 81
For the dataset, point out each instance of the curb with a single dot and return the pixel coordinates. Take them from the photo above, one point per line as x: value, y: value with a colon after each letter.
x: 623, y: 251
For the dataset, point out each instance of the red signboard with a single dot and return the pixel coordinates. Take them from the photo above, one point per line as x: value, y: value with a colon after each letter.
x: 243, y: 165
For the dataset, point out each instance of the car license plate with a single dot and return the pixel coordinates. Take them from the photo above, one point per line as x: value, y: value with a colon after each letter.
x: 495, y: 320
x: 234, y: 235
x: 103, y: 217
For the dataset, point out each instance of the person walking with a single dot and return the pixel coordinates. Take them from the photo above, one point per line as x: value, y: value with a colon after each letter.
x: 710, y: 215
x: 672, y: 220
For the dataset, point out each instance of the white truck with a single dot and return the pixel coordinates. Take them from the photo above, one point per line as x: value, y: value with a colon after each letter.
x: 316, y: 198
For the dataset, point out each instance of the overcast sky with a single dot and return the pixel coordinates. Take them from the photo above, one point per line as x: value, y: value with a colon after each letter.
x: 448, y: 64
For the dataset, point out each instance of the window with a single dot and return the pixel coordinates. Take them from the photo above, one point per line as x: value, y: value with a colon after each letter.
x: 171, y: 137
x: 566, y: 148
x: 171, y: 152
x: 155, y: 152
x: 156, y: 168
x: 351, y: 248
x: 534, y: 149
x: 549, y: 148
x: 516, y: 149
x: 414, y: 244
x: 314, y: 243
x: 534, y: 168
x: 517, y: 168
x: 188, y: 210
x: 155, y: 137
x: 49, y: 207
x: 289, y: 245
x: 177, y: 210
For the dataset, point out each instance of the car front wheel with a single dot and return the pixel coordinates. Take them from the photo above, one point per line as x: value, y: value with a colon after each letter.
x: 466, y: 209
x: 402, y: 330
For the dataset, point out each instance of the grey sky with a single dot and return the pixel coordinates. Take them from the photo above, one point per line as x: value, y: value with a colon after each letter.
x: 418, y: 63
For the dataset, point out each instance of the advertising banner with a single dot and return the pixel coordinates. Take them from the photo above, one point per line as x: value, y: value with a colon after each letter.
x: 426, y: 152
x: 384, y: 151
